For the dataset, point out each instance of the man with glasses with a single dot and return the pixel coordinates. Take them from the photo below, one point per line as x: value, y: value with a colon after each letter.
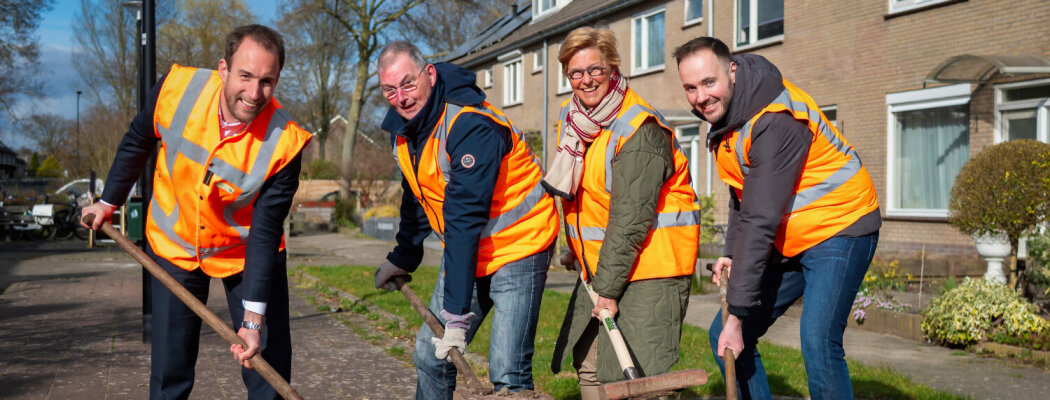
x: 470, y: 179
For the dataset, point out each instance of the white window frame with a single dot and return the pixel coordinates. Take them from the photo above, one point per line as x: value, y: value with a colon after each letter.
x: 901, y: 6
x: 509, y: 60
x: 537, y: 61
x: 563, y: 83
x: 488, y: 77
x: 753, y: 28
x: 835, y: 108
x: 685, y: 13
x: 696, y: 147
x: 945, y: 96
x: 538, y: 14
x: 645, y: 42
x: 1042, y: 106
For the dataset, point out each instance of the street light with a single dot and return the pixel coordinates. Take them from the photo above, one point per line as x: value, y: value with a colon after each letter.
x: 77, y: 150
x: 145, y: 41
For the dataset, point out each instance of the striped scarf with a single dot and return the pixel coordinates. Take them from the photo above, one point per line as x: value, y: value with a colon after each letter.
x: 579, y: 129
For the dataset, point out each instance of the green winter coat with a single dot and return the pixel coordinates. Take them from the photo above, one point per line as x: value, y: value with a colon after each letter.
x: 651, y: 312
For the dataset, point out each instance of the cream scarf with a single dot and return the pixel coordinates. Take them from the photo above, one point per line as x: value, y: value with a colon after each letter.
x: 579, y: 129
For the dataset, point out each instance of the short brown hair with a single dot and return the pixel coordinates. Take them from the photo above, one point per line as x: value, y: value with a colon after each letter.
x: 586, y: 37
x: 268, y: 38
x: 703, y: 43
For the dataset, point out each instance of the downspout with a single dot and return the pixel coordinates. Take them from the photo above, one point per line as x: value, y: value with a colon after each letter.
x: 710, y: 33
x: 546, y: 102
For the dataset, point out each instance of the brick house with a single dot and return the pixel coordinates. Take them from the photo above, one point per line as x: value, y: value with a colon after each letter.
x: 917, y: 86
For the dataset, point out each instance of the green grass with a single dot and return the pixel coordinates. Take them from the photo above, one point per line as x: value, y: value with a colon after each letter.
x: 784, y: 367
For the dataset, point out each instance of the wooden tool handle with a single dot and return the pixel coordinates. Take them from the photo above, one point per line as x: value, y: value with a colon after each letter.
x: 275, y: 379
x: 605, y: 318
x: 476, y: 387
x: 730, y: 360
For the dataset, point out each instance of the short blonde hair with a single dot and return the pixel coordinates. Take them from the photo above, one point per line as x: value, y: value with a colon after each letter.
x: 587, y: 37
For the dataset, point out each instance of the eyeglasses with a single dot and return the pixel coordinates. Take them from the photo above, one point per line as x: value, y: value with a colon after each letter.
x: 594, y: 72
x: 390, y: 92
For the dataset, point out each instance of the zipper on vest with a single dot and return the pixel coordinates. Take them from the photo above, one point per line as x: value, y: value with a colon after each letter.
x: 422, y: 196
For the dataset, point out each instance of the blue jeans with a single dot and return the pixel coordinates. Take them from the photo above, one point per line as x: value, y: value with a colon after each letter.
x: 827, y: 277
x: 515, y: 290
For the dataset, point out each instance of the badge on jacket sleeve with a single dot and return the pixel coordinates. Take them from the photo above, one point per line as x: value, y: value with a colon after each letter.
x: 467, y: 161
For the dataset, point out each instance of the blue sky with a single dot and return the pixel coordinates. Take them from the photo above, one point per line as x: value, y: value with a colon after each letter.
x: 56, y: 50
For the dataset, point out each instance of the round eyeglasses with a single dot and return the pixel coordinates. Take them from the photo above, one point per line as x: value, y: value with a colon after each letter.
x: 594, y: 72
x: 390, y: 92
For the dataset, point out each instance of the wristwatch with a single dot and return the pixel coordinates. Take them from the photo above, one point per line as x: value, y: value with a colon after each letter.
x: 251, y: 325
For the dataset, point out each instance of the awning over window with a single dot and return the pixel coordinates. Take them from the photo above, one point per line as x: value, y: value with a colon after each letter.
x: 974, y: 68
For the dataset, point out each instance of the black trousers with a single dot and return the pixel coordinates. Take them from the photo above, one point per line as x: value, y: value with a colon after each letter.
x: 176, y: 331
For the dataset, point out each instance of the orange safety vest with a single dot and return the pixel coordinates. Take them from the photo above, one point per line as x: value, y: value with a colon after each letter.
x: 834, y: 190
x: 671, y: 247
x: 204, y: 187
x: 522, y: 217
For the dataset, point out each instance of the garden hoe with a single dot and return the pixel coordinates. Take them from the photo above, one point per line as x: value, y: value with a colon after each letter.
x: 475, y: 389
x: 634, y: 386
x: 275, y: 379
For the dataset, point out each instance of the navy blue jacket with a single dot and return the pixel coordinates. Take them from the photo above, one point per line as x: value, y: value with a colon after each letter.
x: 468, y: 195
x: 270, y: 207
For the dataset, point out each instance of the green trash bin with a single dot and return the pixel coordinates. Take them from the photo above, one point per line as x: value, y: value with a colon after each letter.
x: 135, y: 219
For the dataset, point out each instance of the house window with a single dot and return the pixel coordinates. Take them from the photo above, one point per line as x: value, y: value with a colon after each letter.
x: 537, y: 61
x: 488, y: 77
x: 1022, y: 111
x: 694, y: 11
x: 512, y: 82
x: 693, y: 147
x: 832, y: 114
x: 647, y: 35
x: 545, y: 7
x: 759, y: 22
x: 563, y: 84
x: 929, y: 141
x: 897, y: 6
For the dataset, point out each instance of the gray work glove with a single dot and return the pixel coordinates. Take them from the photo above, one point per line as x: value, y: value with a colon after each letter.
x: 455, y: 334
x: 385, y: 274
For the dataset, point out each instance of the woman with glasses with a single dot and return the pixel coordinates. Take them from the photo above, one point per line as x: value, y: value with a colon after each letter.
x: 631, y: 218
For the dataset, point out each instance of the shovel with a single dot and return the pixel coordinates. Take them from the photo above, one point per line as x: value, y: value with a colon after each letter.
x: 275, y: 379
x: 475, y: 389
x: 635, y: 386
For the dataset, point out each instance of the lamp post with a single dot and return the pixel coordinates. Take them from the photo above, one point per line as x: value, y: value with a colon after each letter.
x: 77, y: 150
x: 145, y: 37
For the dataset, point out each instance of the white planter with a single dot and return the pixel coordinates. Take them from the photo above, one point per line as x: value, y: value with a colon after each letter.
x: 994, y: 248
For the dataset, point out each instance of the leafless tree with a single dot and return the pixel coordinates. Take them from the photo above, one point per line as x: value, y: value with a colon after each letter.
x: 441, y: 26
x: 195, y: 35
x: 365, y: 21
x: 51, y: 134
x: 18, y: 49
x: 313, y: 86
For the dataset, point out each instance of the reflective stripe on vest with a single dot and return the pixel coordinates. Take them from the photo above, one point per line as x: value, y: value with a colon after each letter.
x: 509, y: 217
x: 662, y: 220
x: 249, y: 183
x: 828, y: 185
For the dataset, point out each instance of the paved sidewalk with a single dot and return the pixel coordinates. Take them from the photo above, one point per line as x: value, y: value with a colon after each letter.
x: 70, y: 328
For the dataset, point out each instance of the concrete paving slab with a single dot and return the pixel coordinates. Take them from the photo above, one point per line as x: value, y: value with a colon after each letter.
x: 70, y: 323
